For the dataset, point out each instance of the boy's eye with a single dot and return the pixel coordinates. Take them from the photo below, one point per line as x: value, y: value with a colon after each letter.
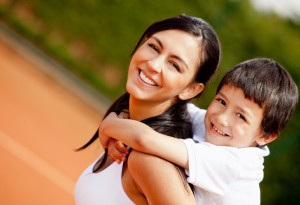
x: 221, y: 101
x: 241, y: 116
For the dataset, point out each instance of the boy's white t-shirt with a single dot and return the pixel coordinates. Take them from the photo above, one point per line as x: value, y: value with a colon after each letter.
x: 197, y: 118
x: 222, y: 174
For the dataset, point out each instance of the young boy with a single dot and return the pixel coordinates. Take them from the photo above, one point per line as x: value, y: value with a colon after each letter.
x: 253, y: 103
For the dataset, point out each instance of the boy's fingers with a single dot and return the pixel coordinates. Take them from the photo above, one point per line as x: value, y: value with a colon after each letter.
x: 111, y: 142
x: 117, y: 150
x: 124, y: 115
x: 121, y: 147
x: 115, y: 154
x: 118, y: 156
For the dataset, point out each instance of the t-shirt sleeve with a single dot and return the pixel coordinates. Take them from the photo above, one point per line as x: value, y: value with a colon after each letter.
x: 211, y: 168
x: 197, y: 117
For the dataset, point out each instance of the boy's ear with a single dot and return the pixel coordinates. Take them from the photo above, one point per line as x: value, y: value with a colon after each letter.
x: 191, y: 91
x: 263, y: 140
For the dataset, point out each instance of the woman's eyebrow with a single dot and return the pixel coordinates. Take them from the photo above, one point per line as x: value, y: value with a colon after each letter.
x: 158, y: 41
x: 173, y: 56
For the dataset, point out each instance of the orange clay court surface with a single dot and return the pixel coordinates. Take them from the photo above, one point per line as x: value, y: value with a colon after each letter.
x: 41, y: 122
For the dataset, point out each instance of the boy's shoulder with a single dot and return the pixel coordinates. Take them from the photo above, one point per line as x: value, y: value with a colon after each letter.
x: 195, y: 111
x: 197, y: 117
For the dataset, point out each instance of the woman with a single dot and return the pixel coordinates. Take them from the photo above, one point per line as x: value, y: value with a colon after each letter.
x: 171, y: 64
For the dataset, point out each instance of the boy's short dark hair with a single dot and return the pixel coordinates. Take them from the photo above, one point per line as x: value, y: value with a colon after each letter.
x: 270, y: 86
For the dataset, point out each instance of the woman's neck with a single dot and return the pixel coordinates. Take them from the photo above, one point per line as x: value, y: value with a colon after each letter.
x: 140, y: 110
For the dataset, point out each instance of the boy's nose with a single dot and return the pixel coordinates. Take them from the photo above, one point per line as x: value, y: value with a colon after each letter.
x: 223, y: 119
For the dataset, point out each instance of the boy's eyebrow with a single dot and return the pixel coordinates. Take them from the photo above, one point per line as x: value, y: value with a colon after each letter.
x: 173, y: 56
x: 245, y: 112
x: 221, y: 93
x: 242, y: 110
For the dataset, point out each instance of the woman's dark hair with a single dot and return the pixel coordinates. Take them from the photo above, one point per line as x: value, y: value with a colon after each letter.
x: 121, y: 104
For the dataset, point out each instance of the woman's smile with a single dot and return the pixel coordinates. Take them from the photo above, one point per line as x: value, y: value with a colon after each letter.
x: 146, y: 79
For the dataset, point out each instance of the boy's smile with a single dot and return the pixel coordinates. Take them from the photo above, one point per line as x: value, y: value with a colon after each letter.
x: 233, y: 120
x: 217, y: 131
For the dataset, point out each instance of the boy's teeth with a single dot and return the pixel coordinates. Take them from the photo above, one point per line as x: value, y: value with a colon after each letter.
x: 218, y: 131
x: 146, y: 80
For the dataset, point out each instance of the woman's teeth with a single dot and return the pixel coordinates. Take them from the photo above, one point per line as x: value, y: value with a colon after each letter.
x: 146, y: 79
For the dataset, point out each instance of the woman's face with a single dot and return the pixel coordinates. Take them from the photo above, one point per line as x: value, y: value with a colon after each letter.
x: 163, y: 67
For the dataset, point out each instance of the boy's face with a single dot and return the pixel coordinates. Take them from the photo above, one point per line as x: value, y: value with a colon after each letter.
x: 233, y: 120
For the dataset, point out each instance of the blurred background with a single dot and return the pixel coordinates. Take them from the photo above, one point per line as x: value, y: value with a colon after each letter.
x: 93, y: 40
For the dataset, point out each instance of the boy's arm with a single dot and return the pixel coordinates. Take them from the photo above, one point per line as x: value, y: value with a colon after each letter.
x: 144, y: 139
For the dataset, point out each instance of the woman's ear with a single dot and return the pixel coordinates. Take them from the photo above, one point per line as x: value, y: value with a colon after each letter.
x: 266, y: 139
x: 191, y: 91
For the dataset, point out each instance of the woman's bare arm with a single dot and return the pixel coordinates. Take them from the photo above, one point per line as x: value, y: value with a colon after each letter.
x: 159, y: 180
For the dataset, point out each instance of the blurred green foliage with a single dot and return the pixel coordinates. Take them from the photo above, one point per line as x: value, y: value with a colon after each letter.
x: 94, y: 39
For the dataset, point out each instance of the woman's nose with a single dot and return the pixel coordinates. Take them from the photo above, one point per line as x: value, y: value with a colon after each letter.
x: 155, y: 64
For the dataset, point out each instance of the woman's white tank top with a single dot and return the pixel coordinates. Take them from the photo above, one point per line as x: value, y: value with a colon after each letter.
x: 102, y: 188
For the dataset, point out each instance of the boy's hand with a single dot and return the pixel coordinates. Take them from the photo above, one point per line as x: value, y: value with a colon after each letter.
x: 124, y: 114
x: 117, y: 150
x: 104, y: 139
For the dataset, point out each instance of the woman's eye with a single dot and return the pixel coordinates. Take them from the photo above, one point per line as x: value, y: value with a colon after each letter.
x: 154, y: 47
x: 175, y: 65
